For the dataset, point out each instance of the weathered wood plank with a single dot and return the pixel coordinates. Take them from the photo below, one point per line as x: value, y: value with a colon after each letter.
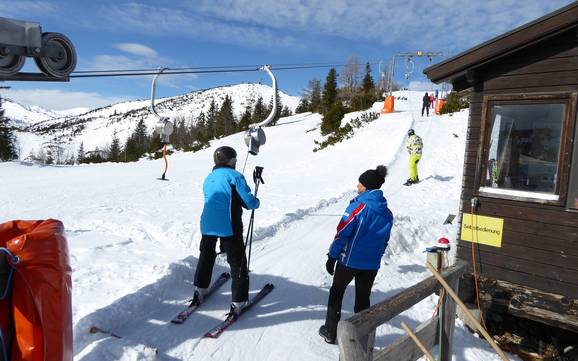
x: 553, y: 272
x: 369, y: 319
x: 448, y: 313
x: 543, y: 258
x: 521, y: 278
x: 532, y: 80
x: 517, y: 239
x: 531, y: 303
x: 548, y: 214
x: 505, y: 44
x: 404, y: 349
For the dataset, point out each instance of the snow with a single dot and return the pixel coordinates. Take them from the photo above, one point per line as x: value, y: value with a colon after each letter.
x: 134, y: 240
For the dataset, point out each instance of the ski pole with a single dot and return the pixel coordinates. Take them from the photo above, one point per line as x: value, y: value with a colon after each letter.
x: 257, y: 177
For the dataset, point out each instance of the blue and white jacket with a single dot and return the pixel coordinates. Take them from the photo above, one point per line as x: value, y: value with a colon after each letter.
x: 226, y: 191
x: 363, y: 232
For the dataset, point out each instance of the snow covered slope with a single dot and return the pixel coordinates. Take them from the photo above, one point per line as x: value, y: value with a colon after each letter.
x: 95, y: 127
x: 134, y: 240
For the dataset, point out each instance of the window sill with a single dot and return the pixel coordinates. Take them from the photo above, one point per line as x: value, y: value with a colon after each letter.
x: 519, y: 195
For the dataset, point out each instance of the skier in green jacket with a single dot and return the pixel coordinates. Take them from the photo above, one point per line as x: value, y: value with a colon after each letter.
x: 414, y: 146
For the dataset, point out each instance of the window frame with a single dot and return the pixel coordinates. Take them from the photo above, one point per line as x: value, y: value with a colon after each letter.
x: 573, y: 176
x: 559, y: 197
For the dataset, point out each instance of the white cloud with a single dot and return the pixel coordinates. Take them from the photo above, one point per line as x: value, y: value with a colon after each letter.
x: 53, y: 99
x: 16, y: 9
x: 137, y: 49
x: 176, y: 22
x: 446, y: 24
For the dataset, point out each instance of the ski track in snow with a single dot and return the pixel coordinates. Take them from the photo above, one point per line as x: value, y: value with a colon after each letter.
x: 127, y: 230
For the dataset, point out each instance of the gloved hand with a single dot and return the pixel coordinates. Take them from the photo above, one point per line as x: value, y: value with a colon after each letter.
x: 330, y: 265
x: 257, y: 175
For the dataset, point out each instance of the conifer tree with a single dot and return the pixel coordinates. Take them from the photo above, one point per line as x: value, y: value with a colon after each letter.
x: 114, y: 150
x: 304, y: 106
x: 330, y: 91
x: 368, y: 85
x: 211, y: 119
x: 245, y: 121
x: 80, y: 155
x: 7, y: 141
x: 258, y: 111
x: 225, y: 121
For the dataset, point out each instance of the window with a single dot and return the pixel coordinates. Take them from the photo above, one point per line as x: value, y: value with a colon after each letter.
x: 573, y: 189
x: 524, y: 146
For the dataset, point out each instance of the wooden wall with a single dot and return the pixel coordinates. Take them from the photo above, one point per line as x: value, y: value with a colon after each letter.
x: 540, y: 242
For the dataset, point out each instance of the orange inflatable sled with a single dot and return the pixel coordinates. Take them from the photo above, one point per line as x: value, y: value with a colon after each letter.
x: 36, y: 315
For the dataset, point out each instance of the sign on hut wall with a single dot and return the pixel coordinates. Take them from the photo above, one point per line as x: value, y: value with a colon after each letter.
x: 482, y: 229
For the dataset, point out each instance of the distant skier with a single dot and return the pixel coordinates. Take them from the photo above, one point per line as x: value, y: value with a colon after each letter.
x: 414, y: 146
x: 425, y: 104
x: 226, y: 192
x: 361, y: 239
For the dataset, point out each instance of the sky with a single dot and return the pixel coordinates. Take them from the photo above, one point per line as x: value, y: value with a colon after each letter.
x: 177, y: 33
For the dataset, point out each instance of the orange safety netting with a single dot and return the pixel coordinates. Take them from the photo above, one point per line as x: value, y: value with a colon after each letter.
x: 388, y: 105
x: 38, y: 313
x: 439, y: 104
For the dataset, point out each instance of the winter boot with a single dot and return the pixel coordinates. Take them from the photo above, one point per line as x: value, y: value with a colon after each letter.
x: 324, y: 332
x: 199, y: 296
x: 408, y: 182
x: 236, y: 309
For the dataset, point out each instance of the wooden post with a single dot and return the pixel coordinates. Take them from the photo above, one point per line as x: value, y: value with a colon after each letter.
x: 448, y: 313
x: 350, y: 346
x: 467, y: 313
x: 417, y: 342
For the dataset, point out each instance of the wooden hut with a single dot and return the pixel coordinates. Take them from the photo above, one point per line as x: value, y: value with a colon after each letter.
x: 519, y: 199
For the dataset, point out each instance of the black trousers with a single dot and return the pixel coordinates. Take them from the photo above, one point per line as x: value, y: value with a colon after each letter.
x: 426, y: 108
x: 235, y: 250
x: 342, y: 278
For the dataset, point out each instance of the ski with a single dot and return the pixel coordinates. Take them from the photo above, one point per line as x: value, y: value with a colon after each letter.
x: 184, y: 314
x: 218, y: 330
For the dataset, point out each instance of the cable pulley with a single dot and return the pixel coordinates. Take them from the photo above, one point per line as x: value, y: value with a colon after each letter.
x: 255, y: 136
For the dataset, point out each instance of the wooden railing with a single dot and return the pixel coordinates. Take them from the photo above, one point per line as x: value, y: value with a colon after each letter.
x: 356, y: 335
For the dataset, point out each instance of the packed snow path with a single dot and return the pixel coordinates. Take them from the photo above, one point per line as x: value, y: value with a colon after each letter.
x: 134, y: 240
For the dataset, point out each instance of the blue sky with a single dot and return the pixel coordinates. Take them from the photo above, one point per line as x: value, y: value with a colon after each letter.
x: 176, y: 33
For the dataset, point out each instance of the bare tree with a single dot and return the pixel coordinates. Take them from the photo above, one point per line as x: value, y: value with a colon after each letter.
x: 350, y: 76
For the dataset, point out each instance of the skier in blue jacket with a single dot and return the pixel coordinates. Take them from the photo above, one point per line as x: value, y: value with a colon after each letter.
x: 226, y: 194
x: 361, y: 239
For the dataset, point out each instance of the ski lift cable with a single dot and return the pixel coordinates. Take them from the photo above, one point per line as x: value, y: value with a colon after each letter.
x: 206, y: 70
x: 210, y: 67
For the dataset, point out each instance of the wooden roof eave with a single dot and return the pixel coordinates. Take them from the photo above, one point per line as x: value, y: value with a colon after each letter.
x: 526, y: 35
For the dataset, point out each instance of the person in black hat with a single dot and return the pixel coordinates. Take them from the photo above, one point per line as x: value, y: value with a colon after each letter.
x: 356, y: 251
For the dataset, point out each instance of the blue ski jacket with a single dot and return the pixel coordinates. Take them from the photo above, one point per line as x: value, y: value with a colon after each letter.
x: 226, y: 191
x: 363, y: 232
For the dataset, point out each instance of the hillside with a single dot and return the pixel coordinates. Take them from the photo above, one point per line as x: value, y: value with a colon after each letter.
x: 134, y: 240
x: 95, y: 127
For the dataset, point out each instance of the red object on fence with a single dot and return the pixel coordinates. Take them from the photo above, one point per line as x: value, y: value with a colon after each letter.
x: 41, y: 299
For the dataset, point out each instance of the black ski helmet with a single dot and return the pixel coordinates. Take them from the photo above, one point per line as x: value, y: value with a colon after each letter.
x: 225, y: 156
x: 410, y: 132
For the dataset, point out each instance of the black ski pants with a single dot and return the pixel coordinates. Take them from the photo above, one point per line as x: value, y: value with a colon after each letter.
x: 235, y: 250
x: 426, y: 108
x: 342, y: 278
